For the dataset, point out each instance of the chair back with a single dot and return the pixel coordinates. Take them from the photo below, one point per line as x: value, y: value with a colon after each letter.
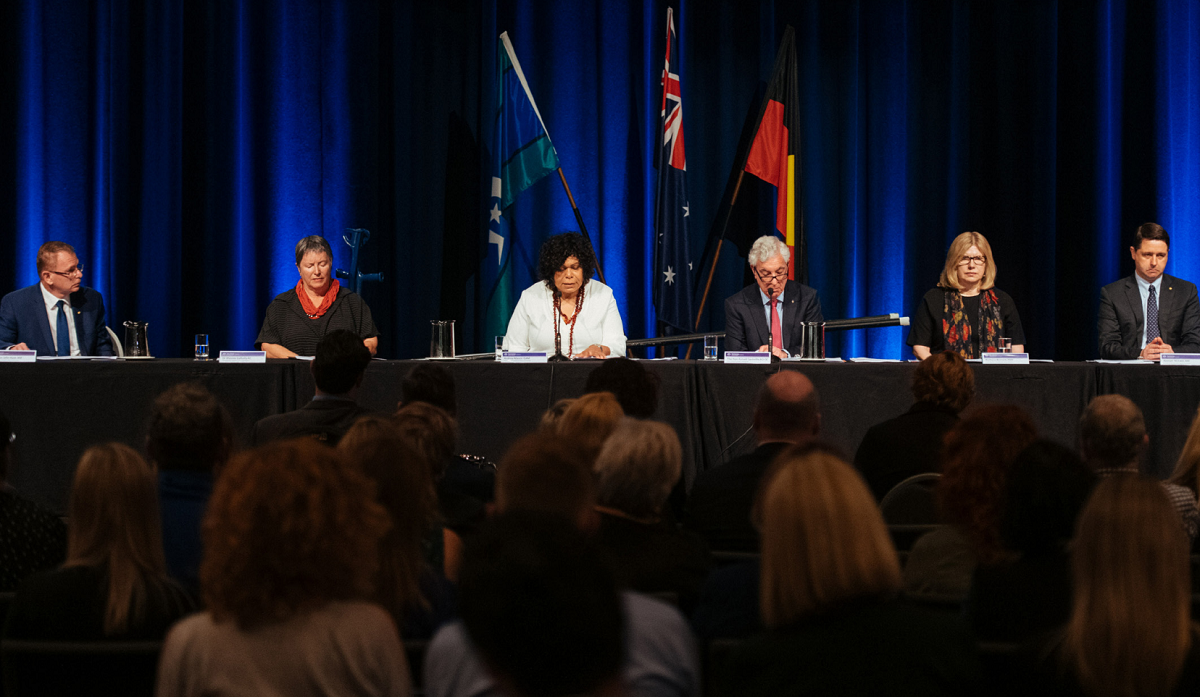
x: 118, y: 349
x: 911, y: 502
x: 37, y: 668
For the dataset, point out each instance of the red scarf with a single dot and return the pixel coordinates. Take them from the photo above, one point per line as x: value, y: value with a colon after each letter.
x: 309, y: 309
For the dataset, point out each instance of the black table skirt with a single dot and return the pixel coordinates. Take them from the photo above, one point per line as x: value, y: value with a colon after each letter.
x: 59, y: 408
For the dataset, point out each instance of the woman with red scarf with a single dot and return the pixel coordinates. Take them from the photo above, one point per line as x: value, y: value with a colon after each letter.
x: 298, y: 318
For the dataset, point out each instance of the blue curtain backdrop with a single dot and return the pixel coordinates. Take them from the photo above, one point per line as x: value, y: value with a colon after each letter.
x: 184, y: 147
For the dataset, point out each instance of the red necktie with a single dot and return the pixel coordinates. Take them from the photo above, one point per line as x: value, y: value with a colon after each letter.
x: 776, y: 332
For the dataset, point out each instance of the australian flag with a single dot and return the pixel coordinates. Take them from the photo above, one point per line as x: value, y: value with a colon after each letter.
x: 672, y: 260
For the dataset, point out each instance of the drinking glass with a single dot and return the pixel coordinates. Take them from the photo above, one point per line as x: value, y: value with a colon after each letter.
x: 1005, y: 345
x: 202, y: 347
x: 710, y: 347
x: 500, y: 347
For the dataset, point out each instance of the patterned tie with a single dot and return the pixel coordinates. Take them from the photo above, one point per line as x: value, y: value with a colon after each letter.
x: 776, y: 332
x: 64, y: 336
x: 1151, y: 316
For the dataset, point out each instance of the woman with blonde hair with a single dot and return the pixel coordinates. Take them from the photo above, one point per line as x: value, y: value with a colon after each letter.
x: 1187, y: 468
x: 114, y: 584
x: 966, y: 313
x: 828, y: 596
x: 589, y: 421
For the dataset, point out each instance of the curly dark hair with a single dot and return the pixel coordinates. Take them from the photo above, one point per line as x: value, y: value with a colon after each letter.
x: 559, y: 248
x: 944, y: 379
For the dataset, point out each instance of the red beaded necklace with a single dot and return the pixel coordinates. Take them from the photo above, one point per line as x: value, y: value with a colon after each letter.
x: 570, y: 323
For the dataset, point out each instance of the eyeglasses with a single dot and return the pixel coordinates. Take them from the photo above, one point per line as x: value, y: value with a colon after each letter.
x: 967, y: 261
x: 778, y: 275
x: 73, y: 271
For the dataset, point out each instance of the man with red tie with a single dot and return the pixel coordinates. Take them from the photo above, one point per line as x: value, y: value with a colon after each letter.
x: 770, y: 311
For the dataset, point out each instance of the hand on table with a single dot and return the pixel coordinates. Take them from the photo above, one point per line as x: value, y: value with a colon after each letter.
x: 778, y: 352
x: 18, y: 347
x: 1156, y: 348
x: 593, y: 351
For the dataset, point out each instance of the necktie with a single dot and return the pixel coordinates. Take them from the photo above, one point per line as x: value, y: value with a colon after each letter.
x: 1151, y: 316
x: 776, y: 331
x: 64, y: 336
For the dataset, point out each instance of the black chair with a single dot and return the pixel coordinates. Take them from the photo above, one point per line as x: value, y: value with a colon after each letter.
x: 905, y: 536
x: 1004, y: 668
x: 716, y: 656
x: 911, y: 502
x: 414, y: 651
x: 51, y: 668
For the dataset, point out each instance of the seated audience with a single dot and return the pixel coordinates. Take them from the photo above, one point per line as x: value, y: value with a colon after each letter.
x: 337, y: 371
x: 407, y: 585
x: 430, y: 383
x: 189, y: 438
x: 31, y: 537
x: 911, y: 443
x: 1015, y: 599
x: 291, y: 544
x: 787, y: 411
x: 635, y: 388
x: 589, y: 422
x: 1112, y: 438
x: 543, y: 476
x: 1130, y: 631
x: 1187, y: 467
x: 979, y: 452
x: 635, y: 472
x: 551, y: 416
x: 114, y: 584
x: 830, y: 581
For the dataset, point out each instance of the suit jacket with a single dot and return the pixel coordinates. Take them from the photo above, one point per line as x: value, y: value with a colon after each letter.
x: 23, y: 320
x: 326, y: 420
x: 1122, y: 321
x: 720, y: 502
x: 746, y: 322
x: 898, y: 448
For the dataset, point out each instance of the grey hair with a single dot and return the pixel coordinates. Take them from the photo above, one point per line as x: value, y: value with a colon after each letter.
x: 766, y: 247
x: 312, y: 243
x: 637, y: 467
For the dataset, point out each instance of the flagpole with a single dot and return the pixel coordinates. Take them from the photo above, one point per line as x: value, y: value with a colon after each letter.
x: 582, y: 227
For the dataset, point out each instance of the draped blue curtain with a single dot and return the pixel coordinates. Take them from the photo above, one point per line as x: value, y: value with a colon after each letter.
x: 184, y: 148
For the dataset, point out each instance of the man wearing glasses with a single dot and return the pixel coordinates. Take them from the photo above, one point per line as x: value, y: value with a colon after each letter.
x: 56, y: 316
x: 773, y: 307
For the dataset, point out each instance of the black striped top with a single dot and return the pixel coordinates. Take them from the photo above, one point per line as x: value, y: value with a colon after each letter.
x: 287, y: 325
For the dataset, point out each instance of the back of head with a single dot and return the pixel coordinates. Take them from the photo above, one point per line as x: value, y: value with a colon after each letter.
x: 824, y: 541
x: 637, y: 467
x: 541, y: 607
x: 430, y: 383
x: 588, y: 422
x: 1130, y: 627
x: 944, y: 379
x: 1047, y: 488
x: 290, y: 525
x: 189, y: 429
x: 340, y: 361
x: 1187, y: 468
x: 978, y: 453
x: 551, y: 416
x: 1112, y: 431
x: 429, y: 430
x: 635, y: 388
x: 541, y: 473
x: 788, y: 408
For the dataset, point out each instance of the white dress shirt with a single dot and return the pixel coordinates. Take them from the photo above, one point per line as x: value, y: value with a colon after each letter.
x: 599, y: 322
x: 52, y: 315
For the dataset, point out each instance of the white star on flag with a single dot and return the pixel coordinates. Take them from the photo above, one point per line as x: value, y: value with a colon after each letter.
x: 686, y: 212
x: 670, y: 275
x: 495, y: 212
x: 497, y: 240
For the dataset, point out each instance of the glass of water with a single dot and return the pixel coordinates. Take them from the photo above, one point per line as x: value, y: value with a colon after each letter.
x: 202, y: 347
x: 499, y: 348
x: 710, y: 347
x: 1005, y: 345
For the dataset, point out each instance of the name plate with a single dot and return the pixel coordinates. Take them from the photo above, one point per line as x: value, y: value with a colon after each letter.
x: 18, y: 356
x: 994, y: 358
x: 242, y: 357
x: 524, y: 357
x: 747, y: 357
x: 1180, y: 358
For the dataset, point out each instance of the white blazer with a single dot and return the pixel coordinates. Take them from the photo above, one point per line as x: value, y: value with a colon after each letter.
x: 532, y: 325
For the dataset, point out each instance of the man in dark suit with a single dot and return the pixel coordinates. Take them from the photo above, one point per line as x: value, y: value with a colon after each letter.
x: 786, y: 302
x: 1170, y: 304
x: 337, y: 370
x: 56, y: 316
x: 787, y: 412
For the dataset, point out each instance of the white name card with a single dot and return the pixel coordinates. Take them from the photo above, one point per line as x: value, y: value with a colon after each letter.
x: 18, y: 356
x: 1180, y: 358
x: 994, y: 358
x: 524, y: 357
x: 746, y: 357
x: 242, y: 357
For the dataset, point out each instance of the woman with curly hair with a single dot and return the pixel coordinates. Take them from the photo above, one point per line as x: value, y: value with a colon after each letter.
x: 291, y: 545
x: 566, y: 313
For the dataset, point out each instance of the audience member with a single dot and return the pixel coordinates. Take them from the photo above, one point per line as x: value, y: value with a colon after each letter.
x: 1016, y: 599
x: 787, y: 411
x: 337, y: 370
x: 830, y: 579
x: 432, y: 384
x: 979, y: 452
x: 410, y: 583
x: 911, y: 443
x: 189, y: 438
x: 1187, y: 467
x: 1130, y: 631
x: 635, y: 388
x: 31, y: 537
x: 291, y: 542
x: 589, y: 422
x: 114, y: 584
x: 552, y: 415
x: 635, y: 472
x: 1112, y: 437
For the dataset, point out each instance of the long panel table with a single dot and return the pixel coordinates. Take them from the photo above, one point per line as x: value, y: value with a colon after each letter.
x: 59, y: 408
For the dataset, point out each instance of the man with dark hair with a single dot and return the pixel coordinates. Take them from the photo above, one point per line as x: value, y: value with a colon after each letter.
x: 337, y: 370
x: 189, y: 438
x: 58, y: 315
x: 787, y: 412
x: 1149, y: 313
x: 635, y: 388
x: 31, y: 538
x: 432, y: 384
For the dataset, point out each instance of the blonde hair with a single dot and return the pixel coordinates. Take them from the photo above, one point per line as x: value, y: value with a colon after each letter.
x: 587, y: 423
x: 637, y: 467
x: 551, y: 416
x: 823, y: 539
x: 1188, y: 465
x: 1130, y: 627
x: 49, y: 250
x: 958, y: 248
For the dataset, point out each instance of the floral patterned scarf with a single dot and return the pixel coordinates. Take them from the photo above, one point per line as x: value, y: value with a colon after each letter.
x: 956, y: 327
